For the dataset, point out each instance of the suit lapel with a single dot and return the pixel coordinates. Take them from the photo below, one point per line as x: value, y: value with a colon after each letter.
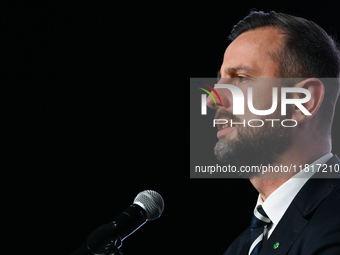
x: 286, y: 232
x: 302, y: 207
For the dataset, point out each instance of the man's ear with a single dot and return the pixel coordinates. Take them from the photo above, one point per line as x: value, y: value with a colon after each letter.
x: 317, y: 92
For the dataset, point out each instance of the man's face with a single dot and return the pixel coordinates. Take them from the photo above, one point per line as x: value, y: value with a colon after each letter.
x: 245, y: 61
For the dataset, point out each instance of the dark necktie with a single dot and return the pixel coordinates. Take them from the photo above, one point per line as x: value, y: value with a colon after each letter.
x: 258, y: 223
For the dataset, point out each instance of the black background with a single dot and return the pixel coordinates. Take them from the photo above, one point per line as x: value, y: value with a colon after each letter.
x: 95, y: 110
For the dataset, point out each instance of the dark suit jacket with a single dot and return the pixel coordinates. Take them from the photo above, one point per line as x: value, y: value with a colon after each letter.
x: 311, y: 224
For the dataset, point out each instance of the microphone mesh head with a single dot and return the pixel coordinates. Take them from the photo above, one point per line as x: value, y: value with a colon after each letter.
x: 151, y: 202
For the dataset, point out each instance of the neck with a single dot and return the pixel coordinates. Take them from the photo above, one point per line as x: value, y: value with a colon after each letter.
x: 269, y: 182
x: 266, y: 186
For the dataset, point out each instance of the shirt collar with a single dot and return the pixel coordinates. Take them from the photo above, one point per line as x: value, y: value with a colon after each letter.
x: 278, y: 202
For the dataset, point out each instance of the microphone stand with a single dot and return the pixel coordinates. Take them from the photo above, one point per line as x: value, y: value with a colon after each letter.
x: 107, y: 239
x: 113, y: 250
x: 103, y: 241
x: 109, y: 250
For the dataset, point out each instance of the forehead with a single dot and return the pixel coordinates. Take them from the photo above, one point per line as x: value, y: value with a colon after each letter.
x: 252, y: 49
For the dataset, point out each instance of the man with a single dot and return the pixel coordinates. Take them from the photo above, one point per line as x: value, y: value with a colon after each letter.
x: 295, y: 213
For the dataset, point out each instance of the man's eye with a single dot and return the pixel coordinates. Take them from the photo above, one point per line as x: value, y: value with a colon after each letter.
x: 242, y: 79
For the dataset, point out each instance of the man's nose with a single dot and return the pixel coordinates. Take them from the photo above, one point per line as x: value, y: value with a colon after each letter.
x: 222, y: 97
x: 213, y: 100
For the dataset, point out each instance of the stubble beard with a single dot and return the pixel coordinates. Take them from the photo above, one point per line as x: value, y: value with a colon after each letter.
x: 253, y: 146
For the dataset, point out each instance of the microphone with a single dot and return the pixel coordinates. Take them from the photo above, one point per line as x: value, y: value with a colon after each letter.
x: 148, y: 205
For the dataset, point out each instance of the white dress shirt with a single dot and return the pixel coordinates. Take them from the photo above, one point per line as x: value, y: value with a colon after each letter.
x: 278, y: 202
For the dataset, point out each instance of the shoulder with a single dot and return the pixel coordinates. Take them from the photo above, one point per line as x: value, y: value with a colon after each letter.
x: 322, y: 233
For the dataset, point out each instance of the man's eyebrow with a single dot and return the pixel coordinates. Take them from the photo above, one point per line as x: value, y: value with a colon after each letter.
x: 233, y: 70
x: 236, y: 69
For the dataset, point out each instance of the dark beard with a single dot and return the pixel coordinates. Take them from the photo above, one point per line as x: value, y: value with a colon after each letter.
x: 253, y: 146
